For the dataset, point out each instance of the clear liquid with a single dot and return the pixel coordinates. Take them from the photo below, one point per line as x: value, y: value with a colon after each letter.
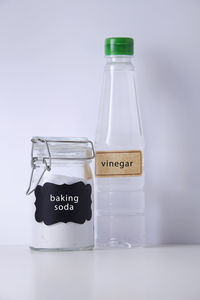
x: 120, y: 212
x: 119, y: 201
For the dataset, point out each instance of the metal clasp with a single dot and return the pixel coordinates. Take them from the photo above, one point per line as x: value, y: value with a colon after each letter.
x: 33, y: 164
x: 47, y: 161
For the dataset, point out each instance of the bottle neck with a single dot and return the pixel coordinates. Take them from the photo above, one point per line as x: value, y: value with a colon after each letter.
x: 119, y: 125
x: 119, y: 58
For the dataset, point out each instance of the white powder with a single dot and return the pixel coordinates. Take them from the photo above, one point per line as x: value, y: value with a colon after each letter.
x: 62, y: 235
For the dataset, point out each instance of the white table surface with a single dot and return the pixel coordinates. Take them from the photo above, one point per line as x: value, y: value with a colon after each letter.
x: 171, y: 272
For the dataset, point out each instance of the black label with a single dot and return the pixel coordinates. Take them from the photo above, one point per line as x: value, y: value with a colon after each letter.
x: 63, y: 203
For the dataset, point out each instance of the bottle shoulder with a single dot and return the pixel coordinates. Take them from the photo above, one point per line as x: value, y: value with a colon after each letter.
x: 119, y: 123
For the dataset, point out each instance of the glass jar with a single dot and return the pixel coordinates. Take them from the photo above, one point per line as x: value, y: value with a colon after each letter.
x: 61, y: 185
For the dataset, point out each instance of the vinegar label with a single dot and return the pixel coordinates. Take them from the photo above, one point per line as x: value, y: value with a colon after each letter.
x: 118, y: 163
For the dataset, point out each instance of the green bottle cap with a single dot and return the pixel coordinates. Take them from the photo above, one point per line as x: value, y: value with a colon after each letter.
x: 119, y: 46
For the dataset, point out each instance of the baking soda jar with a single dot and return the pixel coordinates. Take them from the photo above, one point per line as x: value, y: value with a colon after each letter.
x: 61, y: 187
x: 119, y: 146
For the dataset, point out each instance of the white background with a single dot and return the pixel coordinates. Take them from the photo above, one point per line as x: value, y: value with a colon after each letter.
x: 51, y: 65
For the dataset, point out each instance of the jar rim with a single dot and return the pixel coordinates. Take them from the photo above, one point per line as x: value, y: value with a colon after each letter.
x: 59, y: 139
x: 75, y: 148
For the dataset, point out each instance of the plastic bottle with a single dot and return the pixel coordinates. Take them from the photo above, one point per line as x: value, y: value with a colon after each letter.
x: 119, y: 145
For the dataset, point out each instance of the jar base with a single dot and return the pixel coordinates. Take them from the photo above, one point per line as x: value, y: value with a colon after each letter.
x: 62, y: 249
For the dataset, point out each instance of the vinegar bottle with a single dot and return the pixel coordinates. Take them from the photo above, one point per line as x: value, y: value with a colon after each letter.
x: 119, y: 146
